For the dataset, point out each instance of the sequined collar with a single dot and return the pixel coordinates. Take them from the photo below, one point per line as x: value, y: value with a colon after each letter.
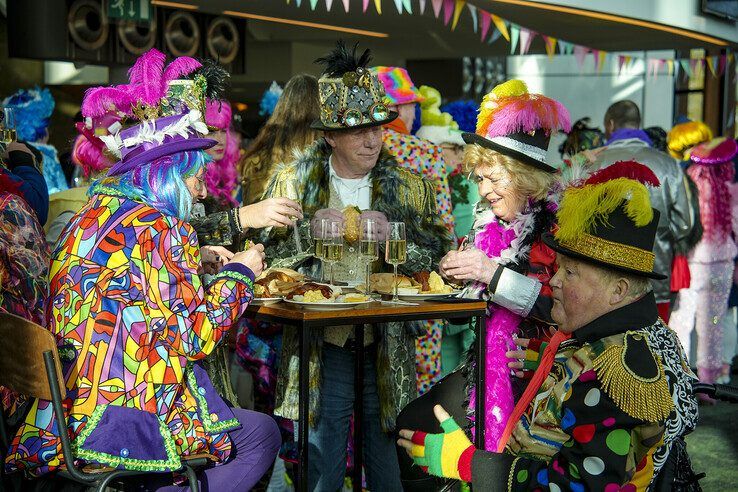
x: 638, y: 314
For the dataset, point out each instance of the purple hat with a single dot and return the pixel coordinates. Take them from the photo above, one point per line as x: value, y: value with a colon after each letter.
x: 152, y: 139
x: 715, y: 151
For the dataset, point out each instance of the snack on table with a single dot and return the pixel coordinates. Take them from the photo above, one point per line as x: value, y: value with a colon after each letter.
x: 422, y: 279
x: 304, y: 290
x: 422, y: 283
x: 436, y: 285
x: 276, y: 282
x: 384, y: 283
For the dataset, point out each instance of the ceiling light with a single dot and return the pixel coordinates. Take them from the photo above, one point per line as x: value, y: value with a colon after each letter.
x: 616, y: 18
x: 300, y: 23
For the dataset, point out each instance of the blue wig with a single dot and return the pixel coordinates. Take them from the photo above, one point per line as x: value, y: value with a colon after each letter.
x: 464, y: 114
x: 32, y: 108
x: 159, y: 184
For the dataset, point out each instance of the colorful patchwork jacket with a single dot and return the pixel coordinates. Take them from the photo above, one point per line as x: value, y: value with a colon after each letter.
x: 617, y: 397
x: 132, y: 320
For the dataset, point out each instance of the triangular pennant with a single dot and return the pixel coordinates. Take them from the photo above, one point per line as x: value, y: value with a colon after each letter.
x: 514, y: 35
x: 448, y: 10
x: 495, y: 36
x: 670, y: 67
x: 437, y: 4
x: 378, y: 6
x: 621, y: 61
x: 580, y: 52
x: 731, y: 57
x: 501, y: 26
x: 422, y: 7
x: 473, y: 12
x: 458, y: 8
x: 562, y: 47
x: 298, y: 2
x: 712, y: 64
x: 346, y: 5
x: 398, y: 6
x: 550, y: 43
x: 484, y: 21
x: 365, y: 5
x: 313, y: 3
x: 685, y: 67
x: 328, y: 5
x: 721, y: 66
x: 601, y: 58
x: 526, y: 38
x: 676, y: 68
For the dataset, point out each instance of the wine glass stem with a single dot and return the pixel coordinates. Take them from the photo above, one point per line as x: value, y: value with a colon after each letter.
x: 322, y: 270
x: 395, y: 298
x: 368, y: 264
x: 333, y: 282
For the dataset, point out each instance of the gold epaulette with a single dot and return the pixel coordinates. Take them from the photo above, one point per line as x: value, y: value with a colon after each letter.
x: 633, y: 376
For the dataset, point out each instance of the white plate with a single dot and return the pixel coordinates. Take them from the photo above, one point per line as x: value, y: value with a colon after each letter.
x: 328, y: 306
x: 265, y: 301
x: 426, y: 297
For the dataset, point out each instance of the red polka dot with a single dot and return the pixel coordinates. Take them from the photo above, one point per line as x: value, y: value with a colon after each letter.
x: 608, y: 422
x: 612, y: 487
x: 588, y: 376
x: 584, y: 433
x: 628, y: 487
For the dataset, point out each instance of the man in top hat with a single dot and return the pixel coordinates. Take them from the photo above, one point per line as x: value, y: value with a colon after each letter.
x: 612, y: 392
x: 351, y: 168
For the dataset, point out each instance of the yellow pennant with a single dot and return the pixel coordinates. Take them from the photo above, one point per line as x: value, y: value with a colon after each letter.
x: 378, y: 6
x: 500, y: 25
x: 459, y: 6
x: 670, y: 66
x: 550, y: 46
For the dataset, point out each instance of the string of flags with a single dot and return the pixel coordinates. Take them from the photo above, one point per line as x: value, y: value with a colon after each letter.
x: 491, y: 27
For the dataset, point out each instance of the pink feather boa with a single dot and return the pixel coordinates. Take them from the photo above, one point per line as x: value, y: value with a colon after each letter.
x: 501, y: 324
x: 221, y: 177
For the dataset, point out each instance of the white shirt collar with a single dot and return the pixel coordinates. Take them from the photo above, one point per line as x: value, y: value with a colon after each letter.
x: 356, y: 191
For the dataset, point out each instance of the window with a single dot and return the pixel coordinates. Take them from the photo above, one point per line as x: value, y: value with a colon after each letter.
x: 689, y: 91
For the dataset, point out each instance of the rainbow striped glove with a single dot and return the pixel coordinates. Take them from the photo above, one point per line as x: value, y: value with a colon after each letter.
x: 444, y: 455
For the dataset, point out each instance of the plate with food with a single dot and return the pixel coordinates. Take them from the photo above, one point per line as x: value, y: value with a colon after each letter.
x: 423, y: 286
x: 265, y: 301
x: 320, y: 297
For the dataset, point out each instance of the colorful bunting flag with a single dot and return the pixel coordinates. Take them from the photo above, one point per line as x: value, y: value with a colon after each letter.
x: 313, y: 3
x: 458, y: 8
x: 473, y: 12
x: 378, y: 6
x: 408, y: 6
x: 448, y: 10
x: 365, y: 5
x: 721, y: 66
x: 712, y: 64
x: 670, y: 67
x: 601, y: 57
x: 328, y: 5
x: 676, y: 68
x: 550, y: 43
x: 496, y: 34
x: 398, y: 6
x: 526, y: 37
x: 422, y: 7
x: 437, y: 4
x: 580, y: 52
x: 621, y: 61
x: 485, y: 21
x: 514, y: 35
x: 346, y: 5
x: 501, y: 26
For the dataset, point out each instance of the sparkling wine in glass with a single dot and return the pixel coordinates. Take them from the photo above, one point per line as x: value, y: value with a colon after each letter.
x: 290, y: 191
x: 7, y: 125
x: 395, y: 252
x: 369, y: 246
x: 333, y: 245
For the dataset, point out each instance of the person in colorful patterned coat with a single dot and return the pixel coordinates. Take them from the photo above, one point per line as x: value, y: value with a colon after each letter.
x: 611, y: 396
x: 133, y: 319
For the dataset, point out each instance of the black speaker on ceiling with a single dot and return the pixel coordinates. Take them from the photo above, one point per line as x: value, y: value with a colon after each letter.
x: 224, y: 40
x: 77, y: 30
x: 133, y: 39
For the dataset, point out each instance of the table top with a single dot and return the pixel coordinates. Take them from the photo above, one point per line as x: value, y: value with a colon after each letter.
x: 375, y: 312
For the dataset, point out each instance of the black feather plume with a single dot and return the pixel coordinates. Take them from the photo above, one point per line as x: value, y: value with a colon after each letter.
x: 216, y: 77
x: 341, y: 60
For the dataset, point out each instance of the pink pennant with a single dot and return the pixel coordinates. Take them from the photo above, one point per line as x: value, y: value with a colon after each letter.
x: 621, y: 60
x: 721, y: 66
x: 485, y: 20
x: 365, y: 6
x: 437, y: 4
x: 448, y: 10
x: 526, y: 37
x: 346, y: 5
x: 580, y: 52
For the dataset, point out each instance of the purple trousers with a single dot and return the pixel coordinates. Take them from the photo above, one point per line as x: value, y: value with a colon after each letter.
x: 255, y: 447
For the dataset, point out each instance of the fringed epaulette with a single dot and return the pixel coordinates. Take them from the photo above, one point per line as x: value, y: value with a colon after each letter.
x: 632, y: 375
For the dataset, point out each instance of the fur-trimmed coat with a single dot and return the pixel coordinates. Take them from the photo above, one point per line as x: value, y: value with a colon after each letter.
x: 402, y: 196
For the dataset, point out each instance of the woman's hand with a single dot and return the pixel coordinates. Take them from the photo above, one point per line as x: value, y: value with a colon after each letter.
x: 470, y: 264
x: 277, y: 212
x: 517, y: 364
x: 253, y: 258
x: 214, y: 257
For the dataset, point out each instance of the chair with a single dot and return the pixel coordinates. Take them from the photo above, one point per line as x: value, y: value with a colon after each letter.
x: 29, y: 365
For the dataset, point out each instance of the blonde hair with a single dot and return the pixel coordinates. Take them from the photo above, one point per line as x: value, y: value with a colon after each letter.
x: 684, y: 136
x: 527, y: 180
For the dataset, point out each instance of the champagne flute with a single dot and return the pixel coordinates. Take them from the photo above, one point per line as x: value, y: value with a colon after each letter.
x: 395, y: 252
x: 333, y: 245
x: 290, y: 191
x: 7, y: 125
x: 319, y: 241
x: 369, y: 246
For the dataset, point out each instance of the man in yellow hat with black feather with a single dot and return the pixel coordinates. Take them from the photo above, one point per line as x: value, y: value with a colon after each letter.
x: 611, y: 395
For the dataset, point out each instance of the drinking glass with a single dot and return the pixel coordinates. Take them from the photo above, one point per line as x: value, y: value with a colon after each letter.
x: 368, y: 246
x: 7, y: 125
x: 395, y: 252
x: 290, y: 191
x: 322, y: 232
x: 332, y: 244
